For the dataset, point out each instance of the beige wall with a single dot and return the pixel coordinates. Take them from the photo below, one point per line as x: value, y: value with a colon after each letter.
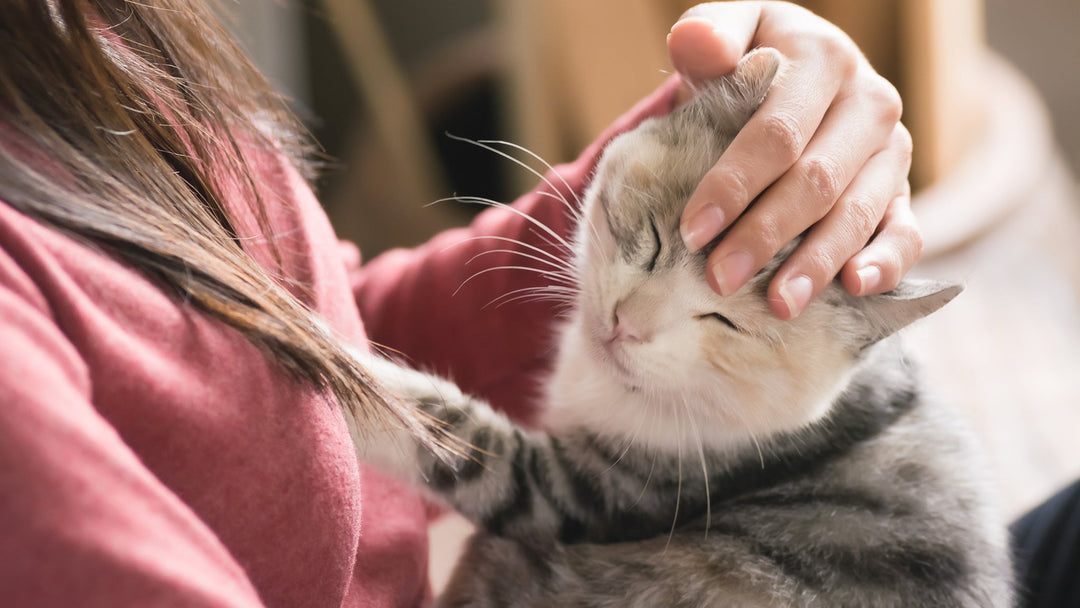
x: 1042, y: 37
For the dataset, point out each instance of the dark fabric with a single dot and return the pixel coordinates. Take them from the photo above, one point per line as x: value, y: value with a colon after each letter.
x: 1046, y: 547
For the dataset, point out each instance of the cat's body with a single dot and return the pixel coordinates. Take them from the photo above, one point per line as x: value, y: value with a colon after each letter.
x: 697, y: 451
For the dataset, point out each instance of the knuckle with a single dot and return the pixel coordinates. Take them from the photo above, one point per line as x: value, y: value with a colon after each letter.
x: 885, y: 98
x: 820, y: 261
x: 841, y: 52
x: 825, y: 177
x: 906, y: 241
x: 862, y: 217
x: 903, y: 143
x: 915, y: 238
x: 783, y: 131
x: 733, y: 182
x: 767, y: 229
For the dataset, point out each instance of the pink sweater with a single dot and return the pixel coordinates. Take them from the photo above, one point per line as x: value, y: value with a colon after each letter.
x: 150, y: 456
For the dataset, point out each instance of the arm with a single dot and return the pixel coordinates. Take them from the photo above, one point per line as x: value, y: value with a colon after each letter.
x: 83, y: 522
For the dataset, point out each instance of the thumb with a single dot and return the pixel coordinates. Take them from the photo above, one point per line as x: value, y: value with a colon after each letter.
x: 708, y: 40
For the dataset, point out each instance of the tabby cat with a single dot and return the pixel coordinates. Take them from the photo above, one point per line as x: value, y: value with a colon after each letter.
x: 697, y: 451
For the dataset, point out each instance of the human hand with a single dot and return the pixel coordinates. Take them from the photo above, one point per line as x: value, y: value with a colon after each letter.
x: 825, y: 152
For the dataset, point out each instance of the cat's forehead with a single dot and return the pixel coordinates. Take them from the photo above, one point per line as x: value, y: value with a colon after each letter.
x: 649, y: 174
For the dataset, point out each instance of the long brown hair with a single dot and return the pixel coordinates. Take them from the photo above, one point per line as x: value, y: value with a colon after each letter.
x: 138, y: 108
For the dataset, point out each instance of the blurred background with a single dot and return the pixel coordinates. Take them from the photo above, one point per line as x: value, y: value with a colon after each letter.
x: 380, y: 82
x: 991, y: 96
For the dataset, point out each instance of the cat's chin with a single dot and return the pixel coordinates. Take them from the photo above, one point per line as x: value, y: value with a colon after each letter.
x: 592, y: 389
x: 612, y: 357
x: 608, y: 358
x: 596, y: 384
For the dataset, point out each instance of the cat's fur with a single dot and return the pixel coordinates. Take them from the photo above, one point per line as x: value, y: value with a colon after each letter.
x: 697, y: 451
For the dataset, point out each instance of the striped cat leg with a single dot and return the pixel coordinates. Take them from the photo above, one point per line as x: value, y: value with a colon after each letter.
x: 508, y: 480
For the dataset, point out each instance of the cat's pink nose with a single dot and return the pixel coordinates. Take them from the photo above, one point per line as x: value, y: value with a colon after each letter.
x: 626, y: 328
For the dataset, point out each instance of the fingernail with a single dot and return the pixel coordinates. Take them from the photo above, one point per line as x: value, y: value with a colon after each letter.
x: 796, y: 294
x: 733, y: 271
x: 869, y: 279
x: 702, y: 227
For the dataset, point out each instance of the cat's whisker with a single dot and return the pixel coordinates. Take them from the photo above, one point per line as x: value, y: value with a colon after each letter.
x: 540, y: 250
x: 577, y: 215
x: 574, y: 213
x: 587, y: 221
x: 648, y: 478
x: 630, y: 439
x: 560, y: 245
x: 558, y: 275
x: 487, y: 144
x: 595, y: 240
x: 555, y: 298
x: 549, y: 293
x: 695, y: 427
x: 558, y: 265
x: 554, y: 275
x: 528, y: 300
x: 753, y: 437
x: 562, y: 291
x: 575, y: 208
x: 678, y: 486
x: 651, y: 412
x: 487, y: 202
x: 542, y: 161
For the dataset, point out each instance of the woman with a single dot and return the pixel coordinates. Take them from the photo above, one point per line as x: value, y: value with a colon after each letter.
x: 173, y: 301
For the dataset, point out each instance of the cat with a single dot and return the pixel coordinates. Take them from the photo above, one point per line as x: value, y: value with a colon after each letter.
x: 697, y: 451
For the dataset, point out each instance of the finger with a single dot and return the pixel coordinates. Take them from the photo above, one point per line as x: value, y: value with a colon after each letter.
x: 770, y: 143
x: 708, y: 40
x: 856, y: 140
x: 889, y: 256
x: 843, y: 232
x: 707, y: 43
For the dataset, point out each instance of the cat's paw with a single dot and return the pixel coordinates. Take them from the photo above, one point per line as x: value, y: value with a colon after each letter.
x: 388, y: 444
x: 419, y: 391
x: 404, y: 449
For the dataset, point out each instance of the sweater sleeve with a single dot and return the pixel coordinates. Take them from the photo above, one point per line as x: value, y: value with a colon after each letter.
x: 82, y: 521
x: 452, y: 305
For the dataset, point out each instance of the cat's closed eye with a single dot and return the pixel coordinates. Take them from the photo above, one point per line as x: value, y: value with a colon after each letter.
x: 715, y: 316
x: 656, y: 252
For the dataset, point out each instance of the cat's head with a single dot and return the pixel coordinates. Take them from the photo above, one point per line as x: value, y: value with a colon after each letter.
x: 648, y: 334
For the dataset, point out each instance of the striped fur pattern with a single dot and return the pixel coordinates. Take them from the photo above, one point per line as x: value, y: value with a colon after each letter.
x: 696, y: 451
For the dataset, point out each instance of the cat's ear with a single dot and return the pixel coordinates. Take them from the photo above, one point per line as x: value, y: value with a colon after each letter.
x: 755, y: 72
x: 912, y: 300
x: 727, y: 102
